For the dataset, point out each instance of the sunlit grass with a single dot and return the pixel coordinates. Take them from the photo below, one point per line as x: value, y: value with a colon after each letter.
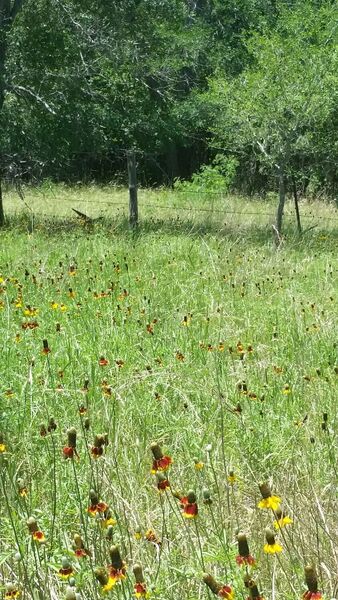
x: 216, y: 346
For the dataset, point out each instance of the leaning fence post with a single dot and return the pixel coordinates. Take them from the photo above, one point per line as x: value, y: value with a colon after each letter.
x: 132, y: 183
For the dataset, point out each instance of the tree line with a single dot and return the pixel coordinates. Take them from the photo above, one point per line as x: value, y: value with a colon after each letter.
x: 179, y: 81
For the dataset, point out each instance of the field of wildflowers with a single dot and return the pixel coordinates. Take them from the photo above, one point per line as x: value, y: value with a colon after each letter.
x: 168, y: 415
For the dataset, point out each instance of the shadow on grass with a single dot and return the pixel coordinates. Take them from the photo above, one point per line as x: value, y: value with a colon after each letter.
x: 246, y: 233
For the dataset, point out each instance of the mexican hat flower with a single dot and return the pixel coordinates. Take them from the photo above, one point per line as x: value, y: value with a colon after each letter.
x: 96, y: 506
x: 199, y: 464
x: 220, y: 590
x: 140, y: 588
x: 107, y: 520
x: 12, y: 592
x: 271, y: 546
x: 252, y: 588
x: 281, y: 519
x: 244, y: 557
x: 52, y: 426
x: 162, y: 482
x: 106, y: 582
x: 232, y: 478
x: 268, y: 500
x: 22, y: 489
x: 79, y: 548
x: 69, y: 451
x: 189, y: 505
x: 161, y: 462
x: 45, y: 348
x: 311, y: 581
x: 207, y: 500
x: 66, y: 569
x: 99, y: 442
x: 151, y: 536
x: 36, y: 533
x: 117, y: 567
x: 3, y: 447
x: 226, y: 592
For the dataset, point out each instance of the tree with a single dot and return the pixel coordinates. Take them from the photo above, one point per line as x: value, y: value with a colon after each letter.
x: 8, y: 12
x: 282, y: 108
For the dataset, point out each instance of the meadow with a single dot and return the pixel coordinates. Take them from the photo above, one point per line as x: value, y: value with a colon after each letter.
x: 168, y: 397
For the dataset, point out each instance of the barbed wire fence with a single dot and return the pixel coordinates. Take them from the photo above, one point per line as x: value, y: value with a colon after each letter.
x: 17, y: 172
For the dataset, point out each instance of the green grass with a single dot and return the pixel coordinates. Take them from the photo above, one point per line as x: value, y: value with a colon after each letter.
x: 181, y: 386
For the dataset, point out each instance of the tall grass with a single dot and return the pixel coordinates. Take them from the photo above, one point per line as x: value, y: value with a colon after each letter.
x: 200, y: 339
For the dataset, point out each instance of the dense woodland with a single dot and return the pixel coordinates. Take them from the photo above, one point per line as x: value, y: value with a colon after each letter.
x: 246, y: 86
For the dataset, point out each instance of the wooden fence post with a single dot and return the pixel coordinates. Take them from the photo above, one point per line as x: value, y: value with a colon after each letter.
x: 132, y: 183
x: 2, y: 216
x: 295, y: 196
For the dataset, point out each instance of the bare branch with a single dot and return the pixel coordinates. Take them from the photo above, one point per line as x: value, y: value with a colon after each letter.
x: 263, y: 150
x: 21, y: 90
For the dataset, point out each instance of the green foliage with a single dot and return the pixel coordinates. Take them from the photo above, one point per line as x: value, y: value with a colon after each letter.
x: 173, y: 79
x: 216, y: 177
x: 281, y: 109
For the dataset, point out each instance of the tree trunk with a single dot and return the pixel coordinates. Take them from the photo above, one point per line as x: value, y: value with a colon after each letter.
x: 2, y: 215
x: 281, y: 203
x: 295, y: 196
x: 172, y: 162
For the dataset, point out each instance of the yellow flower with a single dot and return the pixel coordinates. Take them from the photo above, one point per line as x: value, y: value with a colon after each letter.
x: 272, y: 502
x: 12, y: 592
x: 232, y: 478
x: 63, y: 307
x: 111, y: 582
x: 186, y: 320
x: 286, y: 390
x: 282, y: 521
x: 30, y: 311
x: 39, y: 536
x: 54, y: 305
x: 107, y: 522
x: 272, y: 548
x: 2, y: 448
x: 199, y: 465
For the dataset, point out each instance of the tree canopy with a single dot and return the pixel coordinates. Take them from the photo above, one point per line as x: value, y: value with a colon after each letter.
x: 178, y: 80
